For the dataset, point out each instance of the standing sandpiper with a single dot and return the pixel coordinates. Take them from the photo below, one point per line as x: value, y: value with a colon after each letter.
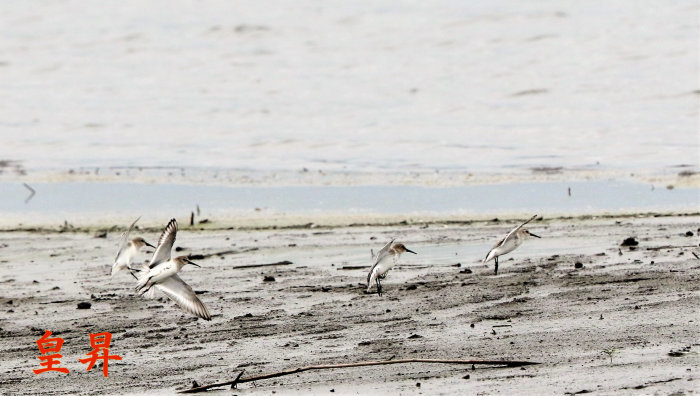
x: 512, y: 240
x: 383, y: 262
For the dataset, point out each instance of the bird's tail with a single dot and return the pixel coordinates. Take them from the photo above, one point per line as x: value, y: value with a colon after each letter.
x: 370, y: 279
x: 140, y: 275
x: 116, y: 267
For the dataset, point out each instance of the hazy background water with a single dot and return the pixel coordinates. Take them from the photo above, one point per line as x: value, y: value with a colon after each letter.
x: 362, y: 86
x: 94, y: 203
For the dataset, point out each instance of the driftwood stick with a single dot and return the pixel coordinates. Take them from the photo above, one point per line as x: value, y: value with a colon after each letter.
x: 238, y: 380
x: 31, y: 191
x: 220, y: 253
x: 354, y: 267
x: 670, y: 247
x: 285, y: 262
x: 234, y: 383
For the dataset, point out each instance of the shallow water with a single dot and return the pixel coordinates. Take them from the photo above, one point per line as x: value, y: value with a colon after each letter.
x: 374, y: 86
x: 58, y: 201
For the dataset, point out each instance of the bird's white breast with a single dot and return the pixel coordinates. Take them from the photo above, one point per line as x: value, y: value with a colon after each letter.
x: 509, y: 244
x: 385, y: 264
x: 162, y: 271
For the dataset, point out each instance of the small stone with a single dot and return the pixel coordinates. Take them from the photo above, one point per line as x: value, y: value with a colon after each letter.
x: 411, y: 287
x: 84, y: 305
x: 418, y: 384
x: 689, y: 233
x: 471, y: 325
x: 414, y: 336
x: 269, y: 278
x: 466, y: 376
x: 578, y: 265
x: 630, y: 242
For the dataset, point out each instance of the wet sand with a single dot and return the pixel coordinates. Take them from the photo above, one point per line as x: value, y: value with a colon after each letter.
x: 442, y: 303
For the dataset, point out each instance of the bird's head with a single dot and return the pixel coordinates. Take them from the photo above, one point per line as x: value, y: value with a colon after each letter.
x: 401, y: 248
x: 528, y: 233
x: 140, y: 242
x: 181, y: 261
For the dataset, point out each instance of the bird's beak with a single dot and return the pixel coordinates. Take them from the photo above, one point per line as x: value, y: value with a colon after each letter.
x: 195, y: 264
x: 411, y: 251
x: 536, y: 236
x: 148, y: 244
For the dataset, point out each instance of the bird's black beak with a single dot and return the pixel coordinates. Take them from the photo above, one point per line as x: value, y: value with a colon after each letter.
x: 536, y: 236
x: 411, y: 251
x: 195, y: 264
x: 148, y: 244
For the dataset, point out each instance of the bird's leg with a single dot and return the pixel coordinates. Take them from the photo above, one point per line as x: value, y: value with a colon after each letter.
x: 144, y: 291
x: 146, y: 285
x: 379, y: 287
x: 496, y: 270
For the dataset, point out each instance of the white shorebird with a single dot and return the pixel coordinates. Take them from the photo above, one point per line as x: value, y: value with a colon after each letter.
x: 161, y: 273
x: 128, y: 249
x: 512, y: 240
x: 383, y: 262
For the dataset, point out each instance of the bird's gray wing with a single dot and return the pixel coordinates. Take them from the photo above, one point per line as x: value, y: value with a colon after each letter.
x: 124, y: 240
x: 514, y: 230
x: 165, y: 244
x: 180, y: 292
x: 384, y: 251
x: 380, y: 255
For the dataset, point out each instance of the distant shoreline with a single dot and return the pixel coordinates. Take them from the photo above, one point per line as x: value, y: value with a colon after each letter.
x: 333, y: 223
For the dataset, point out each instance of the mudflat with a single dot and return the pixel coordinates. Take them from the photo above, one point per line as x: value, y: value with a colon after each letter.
x: 288, y: 298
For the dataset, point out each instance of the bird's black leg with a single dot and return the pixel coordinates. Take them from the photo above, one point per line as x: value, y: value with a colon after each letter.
x: 379, y: 286
x: 496, y: 270
x: 148, y: 284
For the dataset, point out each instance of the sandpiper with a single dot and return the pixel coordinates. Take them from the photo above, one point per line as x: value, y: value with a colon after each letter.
x: 128, y: 249
x: 161, y: 273
x: 512, y: 240
x: 383, y: 262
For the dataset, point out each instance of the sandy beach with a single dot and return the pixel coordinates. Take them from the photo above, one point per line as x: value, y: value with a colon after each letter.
x: 288, y: 140
x: 312, y: 309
